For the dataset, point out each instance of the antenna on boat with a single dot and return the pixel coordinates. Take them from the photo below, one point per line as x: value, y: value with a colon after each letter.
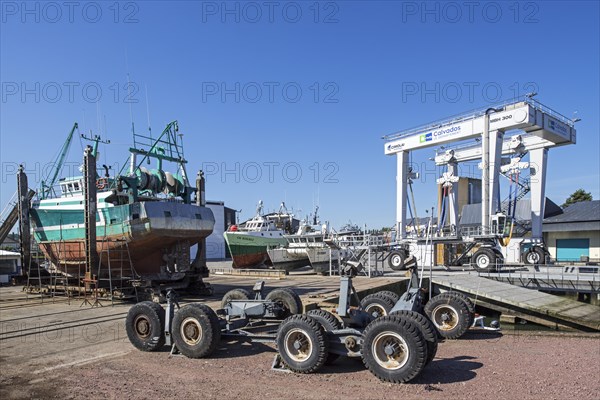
x: 129, y: 92
x: 96, y: 139
x: 129, y: 101
x: 148, y: 111
x: 98, y: 116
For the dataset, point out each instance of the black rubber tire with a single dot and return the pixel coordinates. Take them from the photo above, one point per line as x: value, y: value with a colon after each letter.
x: 236, y: 294
x: 394, y: 328
x: 484, y: 260
x: 329, y: 323
x: 377, y: 304
x: 443, y: 306
x: 288, y: 299
x: 396, y: 260
x: 301, y: 326
x: 427, y: 329
x: 395, y: 297
x: 468, y: 303
x: 535, y: 255
x: 145, y: 326
x: 196, y: 330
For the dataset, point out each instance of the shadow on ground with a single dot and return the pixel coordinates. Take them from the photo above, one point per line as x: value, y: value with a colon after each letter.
x: 449, y: 370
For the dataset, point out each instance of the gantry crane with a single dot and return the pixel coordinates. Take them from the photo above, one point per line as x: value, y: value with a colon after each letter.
x: 510, y: 128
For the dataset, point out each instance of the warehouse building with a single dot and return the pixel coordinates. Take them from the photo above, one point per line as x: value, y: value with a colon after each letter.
x: 574, y: 235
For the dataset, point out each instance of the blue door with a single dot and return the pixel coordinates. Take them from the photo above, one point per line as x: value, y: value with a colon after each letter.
x: 572, y: 249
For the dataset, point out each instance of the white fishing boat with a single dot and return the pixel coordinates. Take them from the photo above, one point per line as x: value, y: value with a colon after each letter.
x: 313, y: 240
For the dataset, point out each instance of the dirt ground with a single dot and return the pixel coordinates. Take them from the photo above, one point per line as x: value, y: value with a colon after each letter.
x: 521, y: 366
x: 66, y: 350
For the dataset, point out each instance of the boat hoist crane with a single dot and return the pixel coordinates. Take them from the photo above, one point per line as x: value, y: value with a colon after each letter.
x: 513, y: 128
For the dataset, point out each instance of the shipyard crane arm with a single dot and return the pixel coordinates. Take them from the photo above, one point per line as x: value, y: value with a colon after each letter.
x: 62, y: 155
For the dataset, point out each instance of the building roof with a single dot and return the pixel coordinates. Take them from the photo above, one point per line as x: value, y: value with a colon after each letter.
x: 584, y: 211
x: 9, y: 254
x: 471, y: 213
x: 12, y: 238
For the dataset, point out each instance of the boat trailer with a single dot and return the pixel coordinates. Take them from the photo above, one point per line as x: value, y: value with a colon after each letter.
x: 396, y: 337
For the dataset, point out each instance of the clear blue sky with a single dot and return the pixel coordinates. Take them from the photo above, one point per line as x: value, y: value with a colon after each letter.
x: 355, y: 63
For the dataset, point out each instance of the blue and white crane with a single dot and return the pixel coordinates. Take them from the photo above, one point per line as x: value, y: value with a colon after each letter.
x: 510, y: 128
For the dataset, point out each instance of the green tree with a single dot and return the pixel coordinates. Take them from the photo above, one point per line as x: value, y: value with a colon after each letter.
x: 577, y: 196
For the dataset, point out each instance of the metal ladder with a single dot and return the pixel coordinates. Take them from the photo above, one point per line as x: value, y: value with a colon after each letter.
x: 115, y: 257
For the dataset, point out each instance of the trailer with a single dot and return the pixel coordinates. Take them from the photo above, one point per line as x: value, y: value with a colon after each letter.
x: 395, y: 336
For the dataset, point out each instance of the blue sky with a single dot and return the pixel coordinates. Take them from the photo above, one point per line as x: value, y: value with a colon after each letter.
x: 289, y: 100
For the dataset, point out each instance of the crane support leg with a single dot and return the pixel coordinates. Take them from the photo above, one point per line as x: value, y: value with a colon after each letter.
x: 495, y: 162
x: 401, y: 192
x: 538, y: 160
x: 453, y: 197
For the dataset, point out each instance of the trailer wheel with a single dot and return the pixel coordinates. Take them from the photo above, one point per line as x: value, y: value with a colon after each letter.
x: 449, y: 315
x: 535, y: 255
x: 235, y: 294
x: 396, y: 260
x: 302, y: 344
x: 394, y: 349
x: 377, y: 304
x: 196, y: 330
x: 288, y: 299
x: 145, y: 326
x: 395, y: 297
x: 468, y: 303
x: 484, y: 259
x: 330, y: 323
x: 427, y: 330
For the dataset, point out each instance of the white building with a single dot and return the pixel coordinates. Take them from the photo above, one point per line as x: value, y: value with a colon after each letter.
x: 10, y: 265
x: 216, y: 248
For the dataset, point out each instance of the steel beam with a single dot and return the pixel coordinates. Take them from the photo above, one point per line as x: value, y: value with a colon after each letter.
x: 401, y: 192
x: 538, y: 161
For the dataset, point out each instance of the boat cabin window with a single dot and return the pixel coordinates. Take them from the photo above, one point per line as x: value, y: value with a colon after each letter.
x: 76, y: 186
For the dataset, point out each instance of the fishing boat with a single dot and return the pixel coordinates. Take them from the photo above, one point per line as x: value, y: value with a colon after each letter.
x: 287, y: 259
x: 148, y: 218
x: 248, y: 242
x: 313, y: 240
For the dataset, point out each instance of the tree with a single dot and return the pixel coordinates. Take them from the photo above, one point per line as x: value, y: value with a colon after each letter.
x: 576, y: 197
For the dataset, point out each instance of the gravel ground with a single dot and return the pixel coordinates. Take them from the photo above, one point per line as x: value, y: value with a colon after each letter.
x: 523, y: 366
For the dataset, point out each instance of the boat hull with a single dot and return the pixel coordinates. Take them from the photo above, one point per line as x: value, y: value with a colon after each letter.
x: 287, y: 259
x: 320, y: 258
x: 249, y: 249
x: 155, y: 235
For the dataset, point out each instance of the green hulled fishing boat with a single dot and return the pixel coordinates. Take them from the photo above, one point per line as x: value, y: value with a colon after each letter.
x: 248, y: 242
x: 148, y: 216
